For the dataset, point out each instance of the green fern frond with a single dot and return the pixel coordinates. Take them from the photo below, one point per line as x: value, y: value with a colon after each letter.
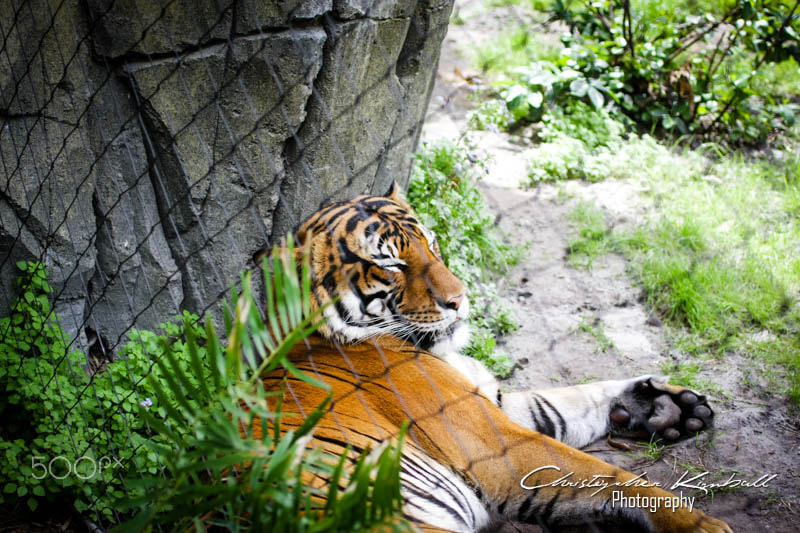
x: 219, y: 473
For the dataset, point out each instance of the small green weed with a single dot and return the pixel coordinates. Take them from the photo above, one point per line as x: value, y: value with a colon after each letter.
x: 594, y: 236
x: 592, y: 325
x: 489, y: 115
x: 686, y: 375
x: 651, y: 450
x: 514, y: 49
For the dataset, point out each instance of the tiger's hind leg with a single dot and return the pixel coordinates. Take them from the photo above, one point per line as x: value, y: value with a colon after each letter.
x: 644, y: 406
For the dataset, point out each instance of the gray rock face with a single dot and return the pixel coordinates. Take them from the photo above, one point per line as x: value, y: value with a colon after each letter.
x: 149, y: 149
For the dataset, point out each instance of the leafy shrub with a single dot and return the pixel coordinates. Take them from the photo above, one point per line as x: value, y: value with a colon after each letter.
x: 593, y: 127
x: 573, y: 150
x: 516, y: 47
x: 544, y: 84
x: 444, y: 194
x: 729, y: 72
x: 675, y: 71
x: 490, y: 115
x: 53, y: 408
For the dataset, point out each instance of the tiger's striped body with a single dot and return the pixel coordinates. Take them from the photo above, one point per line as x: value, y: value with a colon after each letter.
x: 390, y: 352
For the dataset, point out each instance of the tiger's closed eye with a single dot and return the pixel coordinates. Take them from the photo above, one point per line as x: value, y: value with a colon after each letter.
x: 395, y: 267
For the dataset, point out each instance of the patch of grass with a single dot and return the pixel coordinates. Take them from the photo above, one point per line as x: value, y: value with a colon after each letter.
x: 779, y: 79
x: 686, y: 374
x: 443, y: 192
x: 512, y: 49
x: 455, y: 17
x: 592, y: 325
x: 717, y: 256
x: 593, y: 127
x: 651, y: 450
x: 720, y: 258
x: 590, y: 145
x: 489, y: 115
x: 593, y: 238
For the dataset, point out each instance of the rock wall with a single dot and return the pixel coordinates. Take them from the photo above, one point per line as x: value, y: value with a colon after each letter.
x: 149, y: 148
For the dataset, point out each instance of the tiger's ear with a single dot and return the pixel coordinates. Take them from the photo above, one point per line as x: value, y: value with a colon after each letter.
x: 394, y: 192
x: 283, y: 251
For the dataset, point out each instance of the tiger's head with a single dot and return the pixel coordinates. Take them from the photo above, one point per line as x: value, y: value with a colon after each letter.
x: 387, y: 272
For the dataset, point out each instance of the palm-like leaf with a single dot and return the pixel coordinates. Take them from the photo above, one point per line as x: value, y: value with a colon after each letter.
x: 221, y: 474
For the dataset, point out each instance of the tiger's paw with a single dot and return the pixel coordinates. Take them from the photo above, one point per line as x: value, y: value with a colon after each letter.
x: 652, y: 407
x: 688, y: 522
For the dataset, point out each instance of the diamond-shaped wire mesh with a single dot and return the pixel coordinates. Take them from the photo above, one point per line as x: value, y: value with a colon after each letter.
x: 151, y: 148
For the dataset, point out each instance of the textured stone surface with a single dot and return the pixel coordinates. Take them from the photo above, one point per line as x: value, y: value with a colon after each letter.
x: 420, y: 50
x: 156, y: 27
x: 220, y: 165
x: 137, y: 280
x: 350, y: 119
x: 49, y: 183
x: 146, y: 160
x: 252, y: 15
x: 374, y: 9
x: 43, y: 59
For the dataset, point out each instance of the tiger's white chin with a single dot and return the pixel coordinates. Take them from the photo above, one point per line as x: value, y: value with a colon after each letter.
x: 456, y: 341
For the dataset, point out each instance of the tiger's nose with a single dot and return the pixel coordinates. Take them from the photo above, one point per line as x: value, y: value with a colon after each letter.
x: 455, y: 302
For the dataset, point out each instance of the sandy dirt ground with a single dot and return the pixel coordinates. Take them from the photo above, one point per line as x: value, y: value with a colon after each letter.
x: 755, y: 432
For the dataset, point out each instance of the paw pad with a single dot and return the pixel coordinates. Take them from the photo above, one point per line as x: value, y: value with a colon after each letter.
x: 659, y: 409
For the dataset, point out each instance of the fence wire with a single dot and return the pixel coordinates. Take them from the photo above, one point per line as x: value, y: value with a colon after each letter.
x: 149, y: 149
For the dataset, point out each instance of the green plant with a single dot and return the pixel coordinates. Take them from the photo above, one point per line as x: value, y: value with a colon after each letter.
x: 443, y: 192
x: 53, y: 408
x: 678, y: 71
x: 594, y: 327
x: 686, y: 374
x: 594, y: 236
x: 543, y: 84
x: 653, y: 449
x: 225, y: 468
x: 512, y: 49
x: 489, y: 115
x: 113, y: 427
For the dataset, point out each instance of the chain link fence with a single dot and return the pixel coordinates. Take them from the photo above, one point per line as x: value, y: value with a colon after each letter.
x: 149, y: 149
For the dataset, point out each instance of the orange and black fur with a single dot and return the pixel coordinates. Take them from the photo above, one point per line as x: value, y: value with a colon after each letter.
x: 390, y: 353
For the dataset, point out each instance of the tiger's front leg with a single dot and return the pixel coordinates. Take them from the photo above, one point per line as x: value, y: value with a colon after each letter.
x: 639, y: 407
x: 526, y: 476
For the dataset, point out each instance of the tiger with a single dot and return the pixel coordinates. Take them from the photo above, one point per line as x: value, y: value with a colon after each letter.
x: 390, y: 349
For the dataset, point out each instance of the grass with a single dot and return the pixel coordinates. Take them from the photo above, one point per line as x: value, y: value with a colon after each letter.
x: 718, y: 253
x: 780, y: 79
x: 513, y: 49
x: 592, y: 325
x: 687, y: 374
x: 443, y: 192
x: 652, y: 450
x: 594, y: 236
